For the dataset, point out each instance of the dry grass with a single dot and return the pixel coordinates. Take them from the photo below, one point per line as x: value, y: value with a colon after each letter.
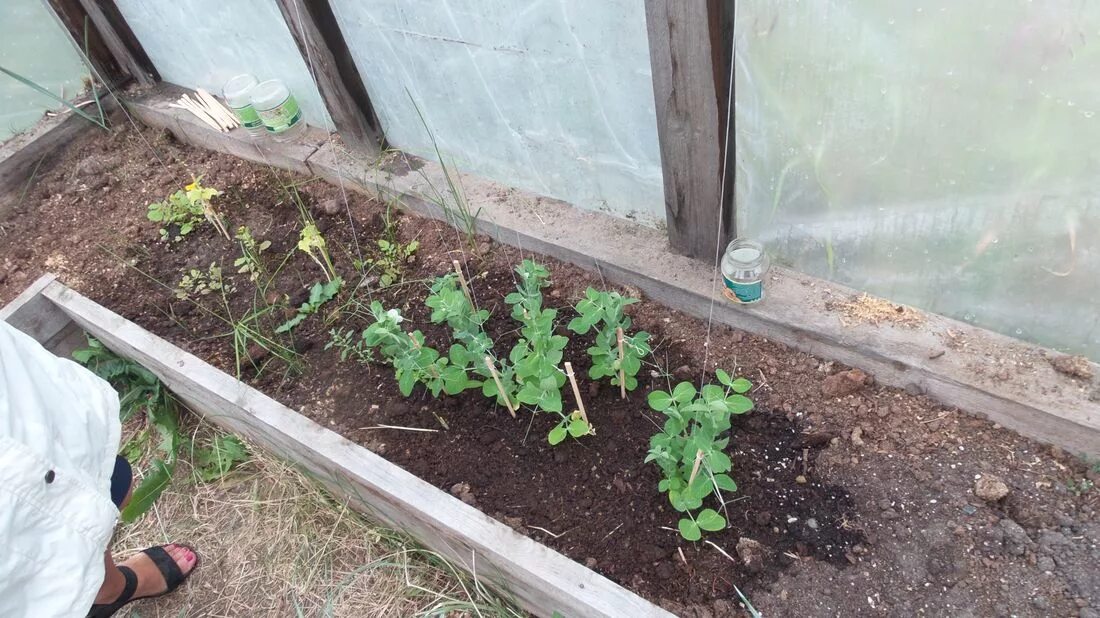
x: 273, y: 543
x: 874, y: 310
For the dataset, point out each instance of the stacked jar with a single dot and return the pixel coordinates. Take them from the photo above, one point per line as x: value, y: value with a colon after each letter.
x: 264, y: 108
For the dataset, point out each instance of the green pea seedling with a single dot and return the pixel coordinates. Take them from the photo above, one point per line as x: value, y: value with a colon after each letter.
x: 615, y: 355
x: 690, y: 449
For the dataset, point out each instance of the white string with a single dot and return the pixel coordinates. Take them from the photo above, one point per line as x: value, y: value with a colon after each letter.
x: 721, y: 205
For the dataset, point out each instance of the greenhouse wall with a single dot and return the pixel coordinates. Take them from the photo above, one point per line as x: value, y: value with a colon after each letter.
x: 203, y: 43
x: 33, y: 45
x: 941, y: 154
x: 554, y: 97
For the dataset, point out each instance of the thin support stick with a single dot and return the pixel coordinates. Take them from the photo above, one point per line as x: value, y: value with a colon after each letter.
x: 695, y: 468
x: 622, y: 372
x: 500, y: 385
x: 462, y: 280
x: 576, y: 391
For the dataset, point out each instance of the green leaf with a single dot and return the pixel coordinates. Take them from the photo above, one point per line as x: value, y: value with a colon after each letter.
x: 556, y: 435
x: 710, y: 520
x: 578, y: 428
x: 690, y: 530
x: 739, y: 404
x: 215, y: 461
x: 723, y: 377
x: 724, y: 482
x: 741, y: 385
x: 660, y: 401
x: 684, y: 392
x: 151, y: 487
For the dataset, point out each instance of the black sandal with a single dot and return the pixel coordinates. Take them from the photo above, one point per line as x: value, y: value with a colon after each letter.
x: 169, y: 570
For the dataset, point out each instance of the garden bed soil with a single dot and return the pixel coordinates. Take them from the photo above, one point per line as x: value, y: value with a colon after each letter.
x: 849, y: 503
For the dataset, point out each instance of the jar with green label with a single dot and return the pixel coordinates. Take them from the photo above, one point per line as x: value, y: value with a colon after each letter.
x: 238, y: 91
x: 743, y: 268
x: 278, y: 109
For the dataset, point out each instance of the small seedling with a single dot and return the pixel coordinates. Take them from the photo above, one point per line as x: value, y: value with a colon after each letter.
x: 196, y: 282
x: 251, y: 261
x: 312, y: 243
x: 184, y: 209
x: 319, y: 294
x: 615, y: 355
x: 690, y: 449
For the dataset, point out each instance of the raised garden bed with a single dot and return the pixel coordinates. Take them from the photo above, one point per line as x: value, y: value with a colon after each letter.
x: 883, y: 519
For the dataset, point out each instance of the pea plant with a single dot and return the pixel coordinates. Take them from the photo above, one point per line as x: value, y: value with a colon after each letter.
x: 537, y: 355
x: 451, y: 305
x: 615, y: 354
x: 413, y: 362
x: 690, y: 449
x: 180, y: 212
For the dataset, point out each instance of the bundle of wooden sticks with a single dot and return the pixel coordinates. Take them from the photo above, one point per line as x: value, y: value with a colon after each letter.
x: 207, y: 109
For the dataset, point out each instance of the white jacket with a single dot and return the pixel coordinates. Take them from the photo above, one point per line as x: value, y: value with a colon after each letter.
x: 55, y: 416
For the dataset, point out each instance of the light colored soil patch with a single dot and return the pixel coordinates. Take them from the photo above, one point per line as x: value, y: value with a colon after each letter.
x: 874, y: 310
x: 274, y: 544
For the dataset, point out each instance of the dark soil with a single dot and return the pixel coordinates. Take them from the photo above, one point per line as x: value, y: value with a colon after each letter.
x: 863, y: 504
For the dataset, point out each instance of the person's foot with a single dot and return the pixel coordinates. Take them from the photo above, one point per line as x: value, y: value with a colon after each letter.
x: 150, y: 580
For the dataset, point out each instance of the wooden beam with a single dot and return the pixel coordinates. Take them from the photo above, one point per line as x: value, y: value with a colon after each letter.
x: 322, y: 44
x: 120, y: 40
x: 88, y: 40
x: 532, y: 575
x: 688, y: 125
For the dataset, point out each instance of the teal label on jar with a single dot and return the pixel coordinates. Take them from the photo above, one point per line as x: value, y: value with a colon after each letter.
x: 248, y: 116
x: 281, y: 117
x: 745, y: 292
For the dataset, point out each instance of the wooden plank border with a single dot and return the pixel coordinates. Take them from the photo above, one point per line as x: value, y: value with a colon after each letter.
x: 535, y: 577
x: 688, y: 124
x: 326, y: 54
x: 796, y: 312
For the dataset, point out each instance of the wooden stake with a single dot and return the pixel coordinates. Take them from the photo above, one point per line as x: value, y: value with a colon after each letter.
x: 198, y: 113
x: 622, y: 374
x: 576, y: 391
x: 462, y: 280
x: 500, y: 386
x: 218, y: 108
x: 695, y: 468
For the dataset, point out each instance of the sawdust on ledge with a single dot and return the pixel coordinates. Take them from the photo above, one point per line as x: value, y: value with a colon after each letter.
x: 874, y: 310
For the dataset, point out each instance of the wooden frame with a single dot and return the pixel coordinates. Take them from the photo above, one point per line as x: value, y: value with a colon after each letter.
x: 114, y: 51
x: 326, y: 54
x: 689, y: 127
x: 535, y: 577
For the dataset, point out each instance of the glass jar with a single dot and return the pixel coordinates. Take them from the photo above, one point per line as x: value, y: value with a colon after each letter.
x: 743, y: 268
x: 238, y: 91
x: 278, y: 109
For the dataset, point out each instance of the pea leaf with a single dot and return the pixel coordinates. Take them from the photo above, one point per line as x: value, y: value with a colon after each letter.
x: 578, y: 428
x: 740, y: 385
x: 690, y: 530
x: 660, y: 400
x: 556, y: 435
x: 723, y: 377
x: 710, y: 520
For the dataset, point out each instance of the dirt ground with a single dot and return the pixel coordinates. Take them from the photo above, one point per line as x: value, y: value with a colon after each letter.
x: 862, y: 499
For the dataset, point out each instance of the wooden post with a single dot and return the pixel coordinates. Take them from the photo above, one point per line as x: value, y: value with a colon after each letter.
x: 462, y: 280
x: 315, y: 31
x: 500, y: 385
x: 688, y: 125
x: 622, y: 373
x: 577, y: 393
x: 114, y: 51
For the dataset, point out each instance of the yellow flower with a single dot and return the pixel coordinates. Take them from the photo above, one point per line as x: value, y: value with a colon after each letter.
x: 191, y: 186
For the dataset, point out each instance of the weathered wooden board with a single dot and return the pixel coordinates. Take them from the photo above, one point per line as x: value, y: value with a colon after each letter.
x: 537, y: 578
x: 326, y: 55
x: 688, y: 127
x: 794, y: 312
x: 120, y: 40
